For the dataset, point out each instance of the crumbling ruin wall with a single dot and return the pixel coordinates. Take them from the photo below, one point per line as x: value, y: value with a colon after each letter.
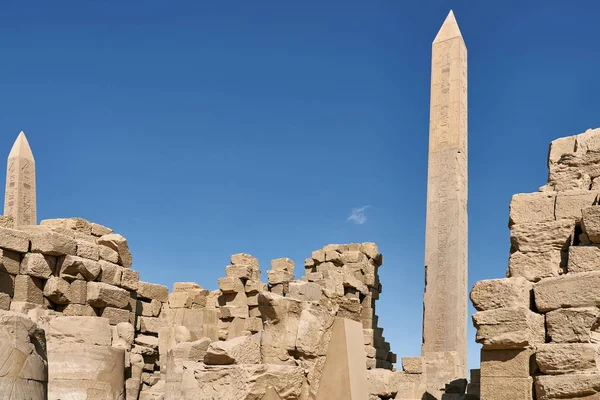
x: 539, y: 326
x: 111, y: 336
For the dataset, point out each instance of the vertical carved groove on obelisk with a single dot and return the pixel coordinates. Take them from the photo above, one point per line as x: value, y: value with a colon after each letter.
x: 19, y: 200
x: 445, y: 299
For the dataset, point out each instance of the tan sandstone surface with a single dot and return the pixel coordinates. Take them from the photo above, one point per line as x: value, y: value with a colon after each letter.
x: 539, y: 326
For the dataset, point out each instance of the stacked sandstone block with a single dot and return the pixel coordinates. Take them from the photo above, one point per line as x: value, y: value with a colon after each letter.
x: 133, y: 340
x: 348, y: 274
x: 70, y: 266
x: 278, y: 334
x: 77, y: 269
x: 238, y: 297
x: 538, y: 325
x: 280, y: 275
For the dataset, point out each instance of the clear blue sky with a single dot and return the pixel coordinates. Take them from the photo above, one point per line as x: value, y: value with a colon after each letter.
x: 199, y: 129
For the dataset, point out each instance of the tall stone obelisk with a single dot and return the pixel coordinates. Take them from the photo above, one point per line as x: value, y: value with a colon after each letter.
x: 19, y: 198
x: 446, y: 291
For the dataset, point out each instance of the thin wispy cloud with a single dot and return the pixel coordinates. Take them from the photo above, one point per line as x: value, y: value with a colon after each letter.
x: 358, y: 216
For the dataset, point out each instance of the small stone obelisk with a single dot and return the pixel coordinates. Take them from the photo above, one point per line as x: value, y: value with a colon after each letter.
x: 19, y: 198
x: 446, y: 290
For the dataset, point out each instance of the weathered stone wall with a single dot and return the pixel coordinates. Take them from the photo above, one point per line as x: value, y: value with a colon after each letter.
x: 111, y: 336
x: 23, y: 363
x: 538, y: 326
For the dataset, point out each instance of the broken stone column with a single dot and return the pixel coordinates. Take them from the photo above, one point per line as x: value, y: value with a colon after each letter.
x: 23, y: 363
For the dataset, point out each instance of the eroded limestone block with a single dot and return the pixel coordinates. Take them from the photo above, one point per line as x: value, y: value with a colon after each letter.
x: 87, y: 249
x: 569, y: 204
x: 239, y: 350
x: 591, y: 223
x: 115, y: 315
x: 560, y: 147
x: 63, y: 331
x: 24, y: 367
x: 79, y: 310
x: 192, y: 298
x: 276, y: 277
x: 532, y: 207
x: 509, y: 363
x: 101, y: 295
x: 565, y: 358
x: 28, y: 289
x: 12, y: 239
x: 119, y: 244
x: 570, y: 386
x: 81, y: 370
x: 11, y: 262
x: 413, y: 365
x: 500, y: 293
x: 535, y: 266
x: 110, y: 273
x: 78, y: 292
x: 100, y: 230
x: 4, y: 301
x: 253, y: 286
x: 495, y: 388
x: 152, y: 291
x: 282, y: 264
x: 576, y: 168
x: 185, y: 286
x: 584, y: 259
x: 149, y: 309
x: 74, y: 224
x: 52, y: 243
x: 231, y: 285
x: 192, y: 351
x: 151, y: 325
x: 73, y: 267
x: 244, y: 259
x: 572, y: 290
x: 572, y: 325
x: 505, y: 328
x: 107, y: 254
x: 129, y: 279
x: 200, y: 322
x: 542, y: 236
x: 58, y: 290
x: 38, y: 265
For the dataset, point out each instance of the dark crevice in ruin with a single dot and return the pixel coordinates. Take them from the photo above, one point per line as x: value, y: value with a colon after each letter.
x: 578, y: 231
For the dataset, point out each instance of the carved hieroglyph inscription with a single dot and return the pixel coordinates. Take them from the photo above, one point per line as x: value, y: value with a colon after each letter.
x: 446, y: 290
x: 19, y: 200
